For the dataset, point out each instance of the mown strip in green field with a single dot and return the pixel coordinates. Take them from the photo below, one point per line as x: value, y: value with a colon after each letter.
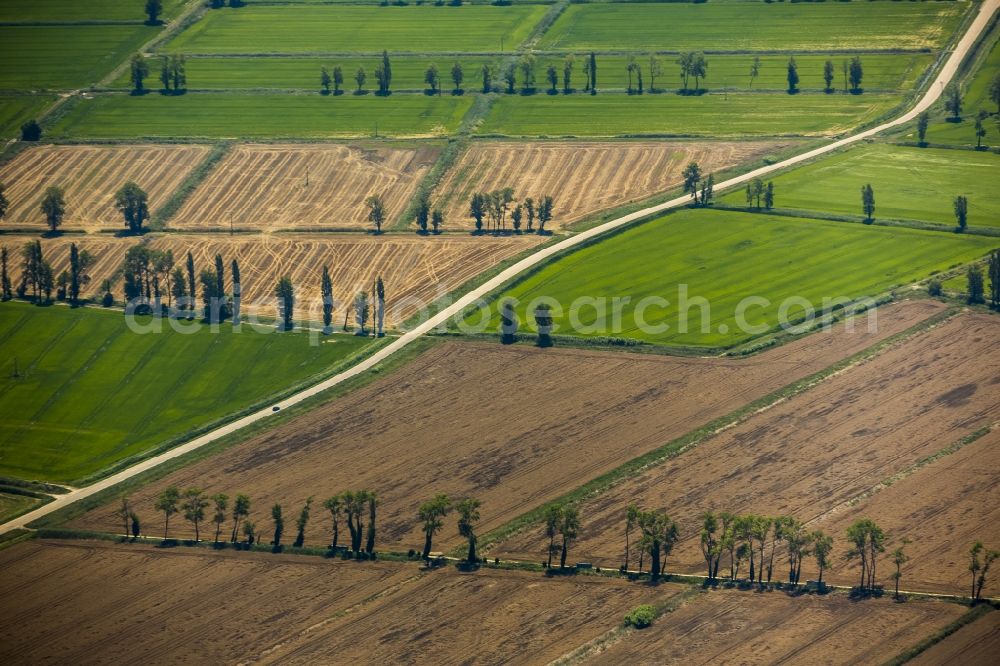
x: 260, y: 116
x: 359, y: 29
x: 67, y: 11
x: 731, y: 26
x: 717, y: 115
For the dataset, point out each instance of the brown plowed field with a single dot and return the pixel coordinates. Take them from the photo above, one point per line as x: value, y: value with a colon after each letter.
x: 512, y: 426
x: 416, y: 270
x: 584, y: 177
x: 93, y: 602
x: 819, y: 450
x: 976, y: 644
x: 264, y: 187
x: 90, y: 176
x: 732, y: 627
x: 943, y: 508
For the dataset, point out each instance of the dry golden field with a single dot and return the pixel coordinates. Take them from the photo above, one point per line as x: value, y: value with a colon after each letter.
x: 302, y: 186
x: 90, y: 176
x: 416, y: 269
x: 583, y: 177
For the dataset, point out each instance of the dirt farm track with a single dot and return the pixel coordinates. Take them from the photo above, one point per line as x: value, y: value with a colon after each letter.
x: 394, y: 436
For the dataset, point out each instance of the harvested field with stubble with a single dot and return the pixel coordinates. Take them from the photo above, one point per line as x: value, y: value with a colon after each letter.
x: 585, y: 177
x: 943, y: 508
x: 416, y: 270
x: 90, y: 176
x: 435, y: 426
x: 814, y: 453
x: 72, y: 602
x: 751, y: 628
x: 303, y: 187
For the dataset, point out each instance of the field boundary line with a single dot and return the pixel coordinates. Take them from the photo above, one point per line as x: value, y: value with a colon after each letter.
x: 933, y: 93
x: 966, y: 618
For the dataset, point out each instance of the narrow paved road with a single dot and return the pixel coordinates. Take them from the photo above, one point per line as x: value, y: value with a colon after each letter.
x: 934, y: 91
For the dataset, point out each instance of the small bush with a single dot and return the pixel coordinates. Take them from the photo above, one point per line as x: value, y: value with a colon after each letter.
x: 107, y: 300
x: 640, y: 617
x: 934, y: 288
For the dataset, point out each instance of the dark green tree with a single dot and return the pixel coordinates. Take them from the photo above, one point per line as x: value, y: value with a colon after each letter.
x: 508, y: 322
x: 31, y: 131
x: 53, y: 207
x: 237, y: 292
x: 487, y: 73
x: 383, y: 74
x: 376, y: 211
x: 360, y: 77
x: 468, y: 516
x: 592, y: 71
x: 191, y: 282
x: 132, y: 203
x: 301, y: 523
x: 527, y: 66
x: 828, y: 75
x: 372, y: 508
x: 210, y: 296
x: 980, y: 129
x: 5, y: 291
x: 153, y: 10
x: 194, y: 509
x: 285, y: 293
x: 279, y: 526
x: 868, y: 202
x: 993, y: 270
x: 793, y: 76
x: 457, y: 76
x: 423, y: 211
x: 437, y: 220
x: 855, y: 73
x: 326, y: 292
x: 510, y: 78
x: 922, y: 122
x: 953, y: 101
x: 432, y: 78
x: 221, y: 501
x: 974, y: 290
x: 569, y: 527
x: 994, y: 90
x: 822, y: 546
x: 692, y: 177
x: 769, y: 196
x: 335, y: 505
x: 325, y: 80
x: 545, y: 212
x: 477, y: 209
x: 4, y: 204
x: 139, y: 70
x: 567, y: 74
x: 543, y: 323
x: 961, y: 206
x: 241, y: 509
x: 553, y: 77
x: 338, y: 79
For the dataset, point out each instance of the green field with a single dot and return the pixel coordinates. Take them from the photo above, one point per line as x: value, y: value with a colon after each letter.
x: 62, y: 57
x: 14, y: 504
x: 916, y: 184
x: 80, y: 10
x: 93, y: 392
x: 975, y: 99
x: 882, y: 72
x: 359, y: 29
x: 727, y: 256
x: 617, y: 114
x: 15, y: 110
x: 260, y: 116
x: 730, y: 26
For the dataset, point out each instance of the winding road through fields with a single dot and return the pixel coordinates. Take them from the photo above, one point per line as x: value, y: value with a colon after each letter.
x: 934, y: 91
